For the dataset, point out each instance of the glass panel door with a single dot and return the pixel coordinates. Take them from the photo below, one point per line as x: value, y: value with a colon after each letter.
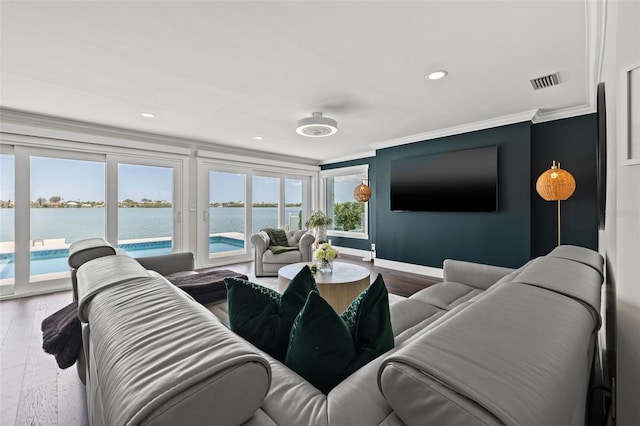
x: 67, y: 204
x: 145, y: 209
x: 7, y: 223
x: 227, y: 214
x: 295, y: 196
x: 265, y: 204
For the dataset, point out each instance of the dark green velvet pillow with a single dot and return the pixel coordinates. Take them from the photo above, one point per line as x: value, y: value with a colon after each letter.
x: 277, y: 237
x: 263, y: 316
x: 325, y: 348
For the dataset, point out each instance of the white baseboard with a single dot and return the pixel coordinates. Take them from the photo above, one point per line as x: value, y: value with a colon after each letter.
x: 354, y: 252
x: 392, y: 264
x: 410, y: 267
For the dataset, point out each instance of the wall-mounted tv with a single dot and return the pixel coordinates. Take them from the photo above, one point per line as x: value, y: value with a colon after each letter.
x: 455, y: 181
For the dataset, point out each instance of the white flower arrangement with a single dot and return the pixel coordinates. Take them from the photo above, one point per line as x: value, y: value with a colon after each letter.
x: 325, y: 252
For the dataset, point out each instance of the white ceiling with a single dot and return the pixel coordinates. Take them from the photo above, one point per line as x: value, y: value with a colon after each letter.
x: 225, y: 72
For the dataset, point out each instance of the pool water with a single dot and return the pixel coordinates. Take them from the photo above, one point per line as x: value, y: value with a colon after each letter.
x: 50, y: 261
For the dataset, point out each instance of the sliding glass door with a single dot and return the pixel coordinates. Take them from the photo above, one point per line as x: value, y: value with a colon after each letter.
x: 50, y: 198
x: 7, y: 222
x: 226, y: 214
x: 234, y: 202
x: 67, y: 204
x: 145, y: 209
x: 295, y: 198
x: 265, y: 203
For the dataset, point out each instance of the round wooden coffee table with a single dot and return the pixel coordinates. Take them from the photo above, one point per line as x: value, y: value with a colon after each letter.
x: 339, y: 288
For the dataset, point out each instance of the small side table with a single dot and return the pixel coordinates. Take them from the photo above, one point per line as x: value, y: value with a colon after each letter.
x: 339, y: 288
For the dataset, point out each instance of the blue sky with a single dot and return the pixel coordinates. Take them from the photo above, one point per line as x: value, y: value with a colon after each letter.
x: 230, y: 187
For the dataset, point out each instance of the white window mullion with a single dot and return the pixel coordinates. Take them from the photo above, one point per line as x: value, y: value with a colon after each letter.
x: 282, y: 220
x: 248, y: 210
x: 22, y: 217
x: 111, y: 201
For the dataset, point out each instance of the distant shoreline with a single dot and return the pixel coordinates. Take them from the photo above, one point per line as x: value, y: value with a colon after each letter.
x: 152, y: 205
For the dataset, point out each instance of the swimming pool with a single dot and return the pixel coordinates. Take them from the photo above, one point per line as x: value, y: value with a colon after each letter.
x: 50, y: 261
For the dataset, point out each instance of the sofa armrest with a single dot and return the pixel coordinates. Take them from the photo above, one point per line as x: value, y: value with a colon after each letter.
x: 261, y: 242
x: 171, y: 362
x: 169, y: 263
x: 519, y: 355
x: 472, y: 274
x: 306, y: 246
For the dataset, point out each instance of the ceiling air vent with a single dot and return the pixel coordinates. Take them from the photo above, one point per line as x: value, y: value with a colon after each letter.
x: 546, y: 81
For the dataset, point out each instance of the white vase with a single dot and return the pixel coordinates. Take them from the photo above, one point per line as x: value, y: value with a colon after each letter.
x: 321, y: 234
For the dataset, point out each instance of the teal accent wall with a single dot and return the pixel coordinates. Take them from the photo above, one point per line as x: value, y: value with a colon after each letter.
x: 427, y: 238
x: 523, y: 227
x: 572, y: 142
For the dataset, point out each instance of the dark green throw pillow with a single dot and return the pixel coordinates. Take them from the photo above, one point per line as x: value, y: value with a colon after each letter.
x: 277, y: 237
x: 263, y: 316
x: 325, y: 348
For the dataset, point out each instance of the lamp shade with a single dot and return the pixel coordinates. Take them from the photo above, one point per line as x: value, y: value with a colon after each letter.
x: 362, y: 193
x: 555, y: 184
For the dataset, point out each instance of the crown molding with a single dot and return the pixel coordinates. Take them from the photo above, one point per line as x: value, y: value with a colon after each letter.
x: 45, y: 126
x: 595, y: 21
x: 358, y: 156
x: 456, y: 130
x: 255, y: 161
x: 543, y: 116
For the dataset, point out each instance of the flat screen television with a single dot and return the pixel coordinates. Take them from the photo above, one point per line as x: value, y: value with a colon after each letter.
x: 455, y: 181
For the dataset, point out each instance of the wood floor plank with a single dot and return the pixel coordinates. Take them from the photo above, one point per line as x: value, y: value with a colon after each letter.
x: 38, y: 406
x: 10, y: 389
x: 72, y: 405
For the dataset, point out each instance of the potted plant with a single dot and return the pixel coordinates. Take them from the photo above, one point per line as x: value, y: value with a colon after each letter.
x: 319, y: 221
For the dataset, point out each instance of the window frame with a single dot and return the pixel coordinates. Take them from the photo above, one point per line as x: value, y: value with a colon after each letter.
x: 323, y: 198
x: 207, y: 162
x: 25, y: 147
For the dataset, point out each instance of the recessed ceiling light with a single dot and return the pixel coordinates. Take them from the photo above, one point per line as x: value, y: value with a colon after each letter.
x: 258, y: 138
x: 147, y: 115
x: 437, y: 75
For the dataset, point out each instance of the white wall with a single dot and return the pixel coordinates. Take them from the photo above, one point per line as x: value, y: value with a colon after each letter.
x: 621, y: 238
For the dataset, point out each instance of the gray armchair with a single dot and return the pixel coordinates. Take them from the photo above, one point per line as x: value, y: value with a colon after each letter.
x: 267, y: 264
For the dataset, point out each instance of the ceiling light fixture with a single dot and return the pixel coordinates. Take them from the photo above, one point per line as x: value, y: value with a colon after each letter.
x: 437, y: 75
x: 147, y: 115
x: 258, y: 138
x: 362, y: 192
x: 317, y: 126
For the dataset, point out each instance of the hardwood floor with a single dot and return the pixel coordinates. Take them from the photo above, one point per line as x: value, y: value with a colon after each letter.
x: 34, y: 391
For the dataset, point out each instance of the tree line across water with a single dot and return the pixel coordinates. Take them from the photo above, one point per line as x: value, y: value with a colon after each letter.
x: 348, y: 215
x: 57, y: 201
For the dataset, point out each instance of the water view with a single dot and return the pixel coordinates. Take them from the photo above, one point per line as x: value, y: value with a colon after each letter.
x: 77, y: 224
x: 147, y: 231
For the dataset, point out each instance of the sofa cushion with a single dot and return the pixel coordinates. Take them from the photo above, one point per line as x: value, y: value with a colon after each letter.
x: 263, y: 316
x: 446, y: 295
x: 370, y: 323
x: 325, y: 348
x: 321, y: 348
x: 284, y: 258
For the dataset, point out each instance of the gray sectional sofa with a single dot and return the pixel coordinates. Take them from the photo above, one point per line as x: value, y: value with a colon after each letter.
x: 488, y: 345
